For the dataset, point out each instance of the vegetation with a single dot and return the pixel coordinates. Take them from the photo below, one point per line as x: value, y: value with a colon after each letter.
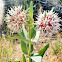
x: 58, y: 47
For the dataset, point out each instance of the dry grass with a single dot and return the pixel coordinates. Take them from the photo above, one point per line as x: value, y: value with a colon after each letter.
x: 17, y: 52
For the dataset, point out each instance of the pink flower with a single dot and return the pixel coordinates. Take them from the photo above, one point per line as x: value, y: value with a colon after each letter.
x: 48, y: 22
x: 15, y: 18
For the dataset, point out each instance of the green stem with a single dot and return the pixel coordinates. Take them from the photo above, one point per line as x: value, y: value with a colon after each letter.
x: 29, y: 39
x: 29, y: 43
x: 24, y: 60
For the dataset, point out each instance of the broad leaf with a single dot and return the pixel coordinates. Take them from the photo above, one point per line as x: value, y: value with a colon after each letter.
x: 23, y: 44
x: 36, y: 37
x: 17, y: 36
x: 42, y: 51
x: 31, y: 47
x: 14, y: 61
x: 24, y: 47
x: 36, y: 58
x: 25, y: 31
x: 33, y: 33
x: 22, y: 34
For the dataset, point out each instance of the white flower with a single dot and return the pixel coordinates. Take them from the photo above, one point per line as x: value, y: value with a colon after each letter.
x: 48, y: 22
x: 1, y: 10
x: 15, y: 18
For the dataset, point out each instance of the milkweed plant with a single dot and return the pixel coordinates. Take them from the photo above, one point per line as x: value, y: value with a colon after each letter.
x: 21, y: 21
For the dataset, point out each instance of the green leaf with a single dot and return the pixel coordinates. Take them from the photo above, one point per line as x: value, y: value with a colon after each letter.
x: 25, y: 31
x: 42, y: 51
x: 26, y: 4
x: 35, y: 26
x: 31, y: 47
x: 45, y: 15
x: 36, y: 37
x: 31, y: 10
x: 22, y: 34
x: 36, y: 58
x: 33, y: 33
x: 53, y: 9
x: 17, y: 36
x: 30, y: 21
x: 14, y: 61
x: 23, y: 44
x: 24, y: 47
x: 24, y: 60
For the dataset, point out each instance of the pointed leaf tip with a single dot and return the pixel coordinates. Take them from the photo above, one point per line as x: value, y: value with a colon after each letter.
x: 43, y: 50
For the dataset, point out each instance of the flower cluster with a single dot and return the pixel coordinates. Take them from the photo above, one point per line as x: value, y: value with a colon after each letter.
x: 48, y: 22
x: 15, y: 18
